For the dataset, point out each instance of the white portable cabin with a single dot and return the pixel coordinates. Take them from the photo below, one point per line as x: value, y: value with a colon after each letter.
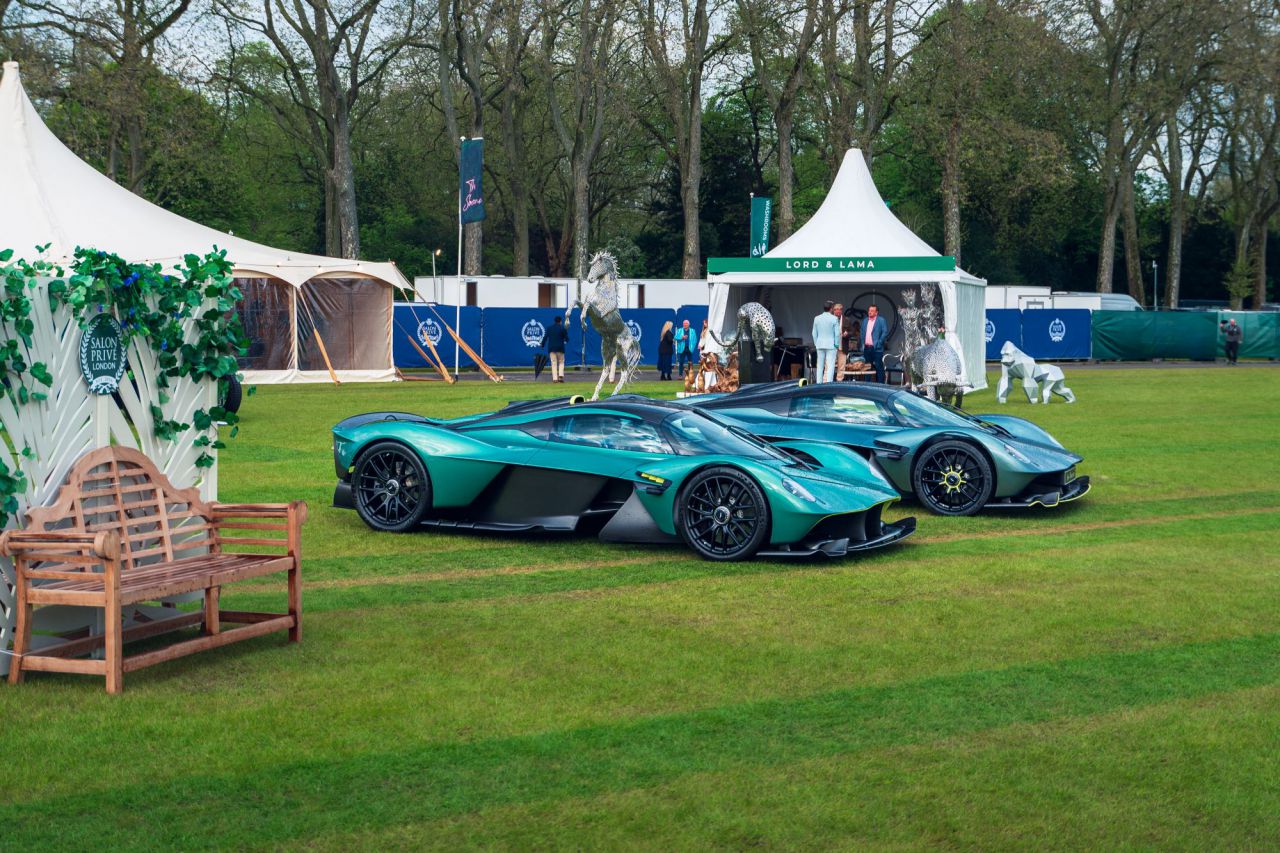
x: 853, y: 251
x: 497, y: 291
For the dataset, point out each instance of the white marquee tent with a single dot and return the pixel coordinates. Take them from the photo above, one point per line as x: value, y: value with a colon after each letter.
x: 855, y: 251
x: 293, y: 301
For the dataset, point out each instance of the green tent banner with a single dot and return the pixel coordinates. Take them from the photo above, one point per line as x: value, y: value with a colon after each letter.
x: 761, y: 211
x: 936, y: 263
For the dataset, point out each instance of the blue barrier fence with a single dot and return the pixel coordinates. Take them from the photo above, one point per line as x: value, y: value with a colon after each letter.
x: 1042, y: 333
x: 511, y: 337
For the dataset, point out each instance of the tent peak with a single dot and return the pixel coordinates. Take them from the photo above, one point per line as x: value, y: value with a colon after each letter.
x: 853, y: 220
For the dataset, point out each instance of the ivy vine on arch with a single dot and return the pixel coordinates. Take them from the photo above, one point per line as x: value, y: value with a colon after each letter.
x: 152, y: 307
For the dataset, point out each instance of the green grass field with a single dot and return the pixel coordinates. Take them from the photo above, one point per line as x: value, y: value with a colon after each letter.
x: 1105, y: 675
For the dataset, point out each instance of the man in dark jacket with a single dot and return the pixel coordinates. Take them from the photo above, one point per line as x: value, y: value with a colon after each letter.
x: 556, y: 339
x: 1234, y: 334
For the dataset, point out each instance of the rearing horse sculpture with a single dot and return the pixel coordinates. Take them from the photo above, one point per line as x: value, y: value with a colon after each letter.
x: 616, y: 340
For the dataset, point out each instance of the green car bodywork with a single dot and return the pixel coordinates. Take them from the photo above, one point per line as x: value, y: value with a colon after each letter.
x: 897, y: 430
x: 555, y: 466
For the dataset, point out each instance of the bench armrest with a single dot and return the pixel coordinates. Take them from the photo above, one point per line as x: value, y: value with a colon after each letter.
x: 221, y: 510
x: 58, y: 543
x: 253, y: 517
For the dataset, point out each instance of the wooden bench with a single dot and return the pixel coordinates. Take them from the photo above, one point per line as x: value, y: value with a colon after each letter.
x: 119, y: 534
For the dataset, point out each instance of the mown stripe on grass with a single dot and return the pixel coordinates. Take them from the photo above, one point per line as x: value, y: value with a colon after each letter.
x: 415, y: 783
x: 671, y: 565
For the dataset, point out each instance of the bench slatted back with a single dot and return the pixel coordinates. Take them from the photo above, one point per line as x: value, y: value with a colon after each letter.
x: 119, y: 488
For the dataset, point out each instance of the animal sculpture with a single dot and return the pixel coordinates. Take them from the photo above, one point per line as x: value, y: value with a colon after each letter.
x: 1038, y: 380
x: 936, y: 368
x: 756, y: 323
x: 618, y: 347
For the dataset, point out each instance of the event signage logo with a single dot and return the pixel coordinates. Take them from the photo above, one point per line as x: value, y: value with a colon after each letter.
x: 102, y: 359
x: 990, y: 331
x: 429, y: 330
x: 533, y: 332
x: 635, y: 329
x: 939, y: 263
x: 470, y: 185
x: 761, y: 210
x: 1057, y: 330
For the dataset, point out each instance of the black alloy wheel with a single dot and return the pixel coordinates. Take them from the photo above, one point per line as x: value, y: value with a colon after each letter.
x: 953, y: 478
x: 230, y: 393
x: 723, y: 514
x: 392, y: 489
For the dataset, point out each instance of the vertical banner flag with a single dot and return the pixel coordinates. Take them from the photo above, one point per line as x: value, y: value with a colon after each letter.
x: 470, y: 188
x: 761, y: 208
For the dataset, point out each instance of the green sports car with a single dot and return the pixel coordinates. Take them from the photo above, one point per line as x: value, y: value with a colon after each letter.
x: 630, y: 470
x: 953, y: 462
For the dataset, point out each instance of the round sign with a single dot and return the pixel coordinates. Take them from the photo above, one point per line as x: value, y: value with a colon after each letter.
x: 102, y: 359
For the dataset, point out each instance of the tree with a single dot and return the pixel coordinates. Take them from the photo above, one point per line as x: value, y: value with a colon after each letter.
x: 579, y: 74
x: 779, y: 41
x: 330, y: 55
x: 675, y: 35
x: 124, y: 34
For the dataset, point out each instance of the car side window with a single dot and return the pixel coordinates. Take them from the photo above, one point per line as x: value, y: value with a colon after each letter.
x: 611, y: 432
x: 841, y: 409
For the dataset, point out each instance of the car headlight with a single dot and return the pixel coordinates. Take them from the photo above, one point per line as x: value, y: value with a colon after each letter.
x: 798, y: 490
x: 1017, y: 454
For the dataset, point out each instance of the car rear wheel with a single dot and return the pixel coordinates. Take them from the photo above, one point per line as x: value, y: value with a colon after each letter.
x: 953, y: 478
x: 723, y: 514
x: 392, y: 489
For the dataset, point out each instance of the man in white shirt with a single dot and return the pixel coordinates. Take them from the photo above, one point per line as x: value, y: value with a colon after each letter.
x: 826, y: 338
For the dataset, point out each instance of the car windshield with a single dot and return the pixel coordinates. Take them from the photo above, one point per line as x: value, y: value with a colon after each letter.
x: 695, y: 433
x: 916, y: 411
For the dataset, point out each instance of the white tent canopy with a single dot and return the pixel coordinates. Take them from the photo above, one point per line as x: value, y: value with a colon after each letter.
x: 852, y: 248
x: 53, y: 197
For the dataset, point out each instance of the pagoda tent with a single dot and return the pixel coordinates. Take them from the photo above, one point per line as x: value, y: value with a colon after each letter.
x: 856, y: 252
x: 305, y: 315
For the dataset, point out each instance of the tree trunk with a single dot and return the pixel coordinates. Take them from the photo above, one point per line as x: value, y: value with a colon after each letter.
x: 1132, y: 248
x: 513, y: 141
x: 1177, y: 216
x: 786, y: 175
x: 689, y: 198
x: 951, y: 192
x: 1260, y: 264
x: 581, y: 218
x: 1107, y: 245
x: 344, y: 231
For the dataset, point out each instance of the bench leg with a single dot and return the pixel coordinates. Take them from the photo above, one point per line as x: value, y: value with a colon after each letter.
x: 295, y: 603
x: 22, y: 633
x: 212, y: 596
x: 113, y: 648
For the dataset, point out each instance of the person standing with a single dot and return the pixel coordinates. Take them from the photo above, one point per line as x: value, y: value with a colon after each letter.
x: 557, y: 338
x: 848, y: 339
x: 873, y: 341
x: 686, y: 345
x: 826, y: 340
x: 666, y: 348
x: 1234, y: 334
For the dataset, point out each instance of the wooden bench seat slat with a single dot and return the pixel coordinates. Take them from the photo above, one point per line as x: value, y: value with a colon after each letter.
x: 119, y: 533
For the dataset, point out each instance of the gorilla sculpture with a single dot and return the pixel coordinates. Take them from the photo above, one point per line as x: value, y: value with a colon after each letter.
x: 1038, y: 380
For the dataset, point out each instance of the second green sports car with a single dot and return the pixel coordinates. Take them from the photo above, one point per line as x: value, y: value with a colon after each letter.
x: 631, y: 470
x: 953, y: 462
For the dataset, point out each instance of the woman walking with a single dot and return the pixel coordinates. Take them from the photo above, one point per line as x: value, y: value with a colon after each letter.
x: 666, y: 349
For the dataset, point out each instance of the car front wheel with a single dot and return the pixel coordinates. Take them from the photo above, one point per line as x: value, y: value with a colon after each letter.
x: 391, y: 486
x: 723, y: 514
x: 953, y: 478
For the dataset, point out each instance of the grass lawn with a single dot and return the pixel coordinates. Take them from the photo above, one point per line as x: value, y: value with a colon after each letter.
x: 1102, y: 675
